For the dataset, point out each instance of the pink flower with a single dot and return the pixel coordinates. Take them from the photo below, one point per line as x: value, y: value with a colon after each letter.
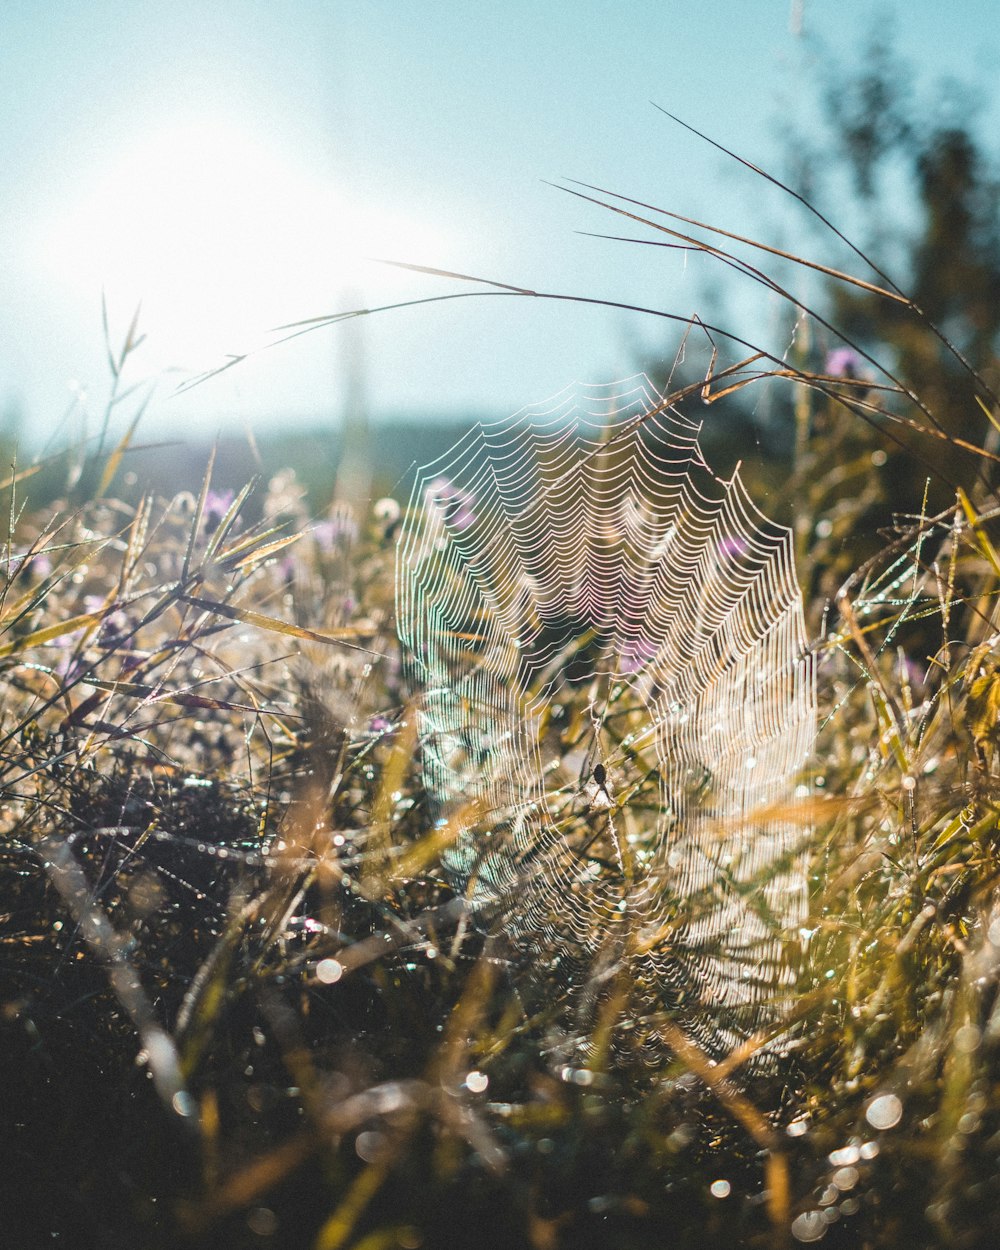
x: 732, y: 548
x: 636, y: 653
x: 340, y: 529
x: 455, y: 504
x: 843, y: 362
x: 38, y: 565
x: 217, y: 504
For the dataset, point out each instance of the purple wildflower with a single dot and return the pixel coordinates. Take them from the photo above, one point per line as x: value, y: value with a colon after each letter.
x: 340, y: 529
x: 731, y: 547
x: 35, y: 564
x: 324, y: 535
x: 843, y: 362
x: 286, y: 568
x: 115, y: 627
x: 454, y: 503
x: 914, y: 674
x: 69, y: 664
x: 636, y: 653
x: 217, y: 504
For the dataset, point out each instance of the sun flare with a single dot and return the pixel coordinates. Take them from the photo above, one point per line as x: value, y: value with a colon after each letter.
x: 221, y: 237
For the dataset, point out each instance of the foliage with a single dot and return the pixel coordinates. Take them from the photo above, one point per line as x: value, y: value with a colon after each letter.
x: 944, y: 248
x: 244, y: 1005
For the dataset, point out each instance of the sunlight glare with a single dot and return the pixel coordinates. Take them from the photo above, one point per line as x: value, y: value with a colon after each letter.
x: 221, y: 238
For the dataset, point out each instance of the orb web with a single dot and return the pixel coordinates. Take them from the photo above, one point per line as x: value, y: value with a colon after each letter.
x: 616, y: 701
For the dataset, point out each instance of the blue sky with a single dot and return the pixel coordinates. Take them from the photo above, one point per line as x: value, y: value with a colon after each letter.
x: 234, y: 161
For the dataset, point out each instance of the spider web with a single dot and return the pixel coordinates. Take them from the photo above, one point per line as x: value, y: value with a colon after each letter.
x: 616, y: 701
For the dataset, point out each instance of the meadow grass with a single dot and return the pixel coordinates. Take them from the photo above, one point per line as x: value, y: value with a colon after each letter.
x: 242, y: 1001
x: 243, y: 1005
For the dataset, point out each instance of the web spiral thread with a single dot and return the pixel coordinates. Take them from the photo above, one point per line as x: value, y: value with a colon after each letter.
x: 617, y: 701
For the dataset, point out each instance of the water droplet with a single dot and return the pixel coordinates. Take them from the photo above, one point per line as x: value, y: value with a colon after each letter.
x: 262, y: 1221
x: 967, y: 1039
x: 884, y: 1112
x: 184, y: 1104
x: 368, y: 1145
x: 476, y: 1082
x: 329, y: 970
x: 720, y: 1189
x: 809, y: 1226
x: 846, y: 1178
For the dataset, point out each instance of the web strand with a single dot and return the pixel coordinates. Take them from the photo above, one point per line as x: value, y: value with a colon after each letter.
x: 611, y: 649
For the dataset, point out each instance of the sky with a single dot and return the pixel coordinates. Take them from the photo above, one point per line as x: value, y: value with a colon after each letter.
x: 235, y: 165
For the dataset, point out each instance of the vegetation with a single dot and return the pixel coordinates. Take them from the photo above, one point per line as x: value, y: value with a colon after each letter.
x: 241, y: 1003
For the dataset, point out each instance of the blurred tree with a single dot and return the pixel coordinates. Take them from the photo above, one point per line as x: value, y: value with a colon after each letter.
x: 916, y: 188
x: 930, y: 200
x: 912, y: 183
